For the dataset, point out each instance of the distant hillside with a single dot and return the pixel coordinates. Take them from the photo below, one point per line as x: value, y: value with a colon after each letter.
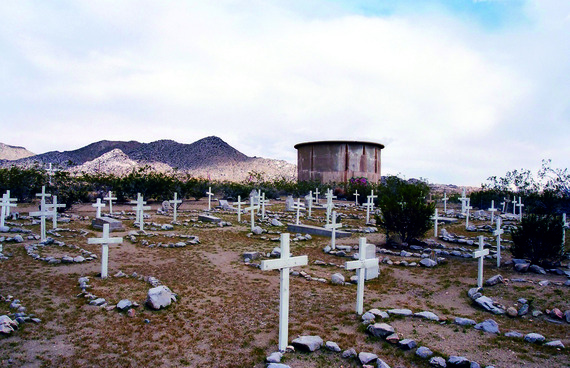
x: 11, y: 153
x: 209, y: 157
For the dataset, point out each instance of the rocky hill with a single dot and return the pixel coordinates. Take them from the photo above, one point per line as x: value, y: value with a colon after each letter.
x: 209, y: 157
x: 11, y: 153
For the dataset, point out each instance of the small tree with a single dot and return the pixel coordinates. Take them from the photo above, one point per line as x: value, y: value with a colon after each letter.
x: 404, y: 209
x: 539, y: 239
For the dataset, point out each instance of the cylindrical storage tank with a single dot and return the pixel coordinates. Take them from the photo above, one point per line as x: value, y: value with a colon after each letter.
x: 338, y: 161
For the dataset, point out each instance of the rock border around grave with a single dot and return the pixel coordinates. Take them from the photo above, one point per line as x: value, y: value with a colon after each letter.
x: 33, y: 250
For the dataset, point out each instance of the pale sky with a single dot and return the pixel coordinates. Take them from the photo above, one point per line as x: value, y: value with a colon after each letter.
x: 457, y: 90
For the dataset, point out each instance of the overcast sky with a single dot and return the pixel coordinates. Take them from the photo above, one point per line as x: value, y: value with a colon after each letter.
x: 457, y: 90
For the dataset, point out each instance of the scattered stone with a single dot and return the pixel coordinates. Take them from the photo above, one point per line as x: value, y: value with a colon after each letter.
x: 429, y: 263
x: 379, y: 313
x: 537, y: 269
x: 160, y: 297
x: 275, y: 222
x: 274, y: 357
x: 407, y: 344
x: 124, y: 304
x: 458, y: 361
x: 556, y: 313
x: 366, y: 358
x: 488, y: 326
x: 437, y: 362
x: 514, y: 334
x: 277, y: 365
x: 332, y: 346
x: 523, y: 310
x: 424, y: 352
x: 368, y: 317
x: 427, y: 315
x: 534, y: 338
x: 337, y: 278
x: 494, y: 280
x: 488, y: 304
x: 512, y: 312
x: 349, y: 353
x: 257, y: 230
x: 464, y: 321
x: 381, y: 330
x: 555, y: 344
x: 393, y: 338
x: 7, y: 325
x: 381, y: 364
x: 400, y: 312
x: 308, y: 343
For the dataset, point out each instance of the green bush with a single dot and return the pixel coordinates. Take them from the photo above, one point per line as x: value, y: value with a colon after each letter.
x: 539, y: 239
x: 404, y: 211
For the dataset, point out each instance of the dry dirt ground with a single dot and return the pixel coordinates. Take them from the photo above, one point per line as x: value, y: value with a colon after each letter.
x: 227, y: 312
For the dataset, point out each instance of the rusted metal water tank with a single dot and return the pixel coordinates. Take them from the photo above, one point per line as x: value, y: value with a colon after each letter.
x: 338, y: 161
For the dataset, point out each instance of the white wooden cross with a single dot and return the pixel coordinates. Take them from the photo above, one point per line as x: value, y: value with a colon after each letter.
x: 110, y: 198
x: 43, y: 196
x: 467, y: 208
x: 210, y: 194
x: 140, y: 211
x: 330, y: 197
x: 317, y: 195
x: 137, y: 213
x: 503, y: 203
x: 481, y: 253
x: 361, y: 265
x: 54, y: 206
x: 98, y: 206
x: 252, y: 209
x: 262, y: 203
x: 356, y: 198
x: 175, y: 202
x: 368, y: 206
x: 515, y: 205
x: 520, y: 205
x: 11, y: 200
x: 463, y: 200
x: 104, y: 241
x: 239, y: 203
x: 42, y: 213
x: 498, y: 233
x: 333, y: 226
x: 492, y: 210
x: 299, y: 206
x: 329, y: 208
x: 284, y: 264
x: 6, y: 204
x: 50, y: 172
x: 445, y: 199
x: 436, y: 218
x: 565, y: 225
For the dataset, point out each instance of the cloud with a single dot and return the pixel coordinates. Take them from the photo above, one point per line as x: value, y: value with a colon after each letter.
x: 453, y: 98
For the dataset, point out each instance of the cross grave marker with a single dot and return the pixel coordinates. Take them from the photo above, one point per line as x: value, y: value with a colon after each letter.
x: 140, y: 208
x: 175, y: 202
x: 42, y: 214
x: 467, y: 208
x: 317, y: 195
x: 463, y: 200
x: 54, y: 206
x: 333, y: 226
x: 492, y: 210
x: 498, y: 233
x: 445, y: 199
x: 6, y: 204
x: 105, y: 240
x: 283, y: 264
x: 210, y: 195
x: 360, y: 266
x: 239, y: 203
x: 481, y: 253
x: 520, y: 205
x: 436, y: 218
x: 298, y: 206
x: 252, y: 209
x: 98, y: 206
x: 356, y: 197
x: 11, y: 200
x: 110, y: 198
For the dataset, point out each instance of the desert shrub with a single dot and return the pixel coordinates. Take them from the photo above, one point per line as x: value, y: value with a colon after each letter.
x: 404, y: 211
x: 539, y: 239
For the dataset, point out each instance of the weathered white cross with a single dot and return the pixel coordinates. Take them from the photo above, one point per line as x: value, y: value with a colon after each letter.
x: 492, y: 210
x: 299, y: 206
x: 43, y: 196
x: 503, y: 203
x: 239, y: 203
x: 361, y: 265
x: 463, y: 200
x: 436, y: 218
x: 6, y: 204
x: 98, y: 206
x: 333, y: 226
x: 515, y: 205
x: 368, y: 206
x: 42, y: 214
x: 283, y: 264
x: 175, y: 202
x: 498, y: 233
x: 11, y: 200
x: 54, y: 206
x: 445, y: 199
x: 210, y: 194
x: 50, y: 172
x: 520, y: 205
x: 110, y: 198
x: 262, y: 203
x: 140, y: 208
x: 317, y: 195
x: 356, y: 195
x: 104, y: 241
x: 252, y: 209
x: 467, y: 208
x: 481, y: 253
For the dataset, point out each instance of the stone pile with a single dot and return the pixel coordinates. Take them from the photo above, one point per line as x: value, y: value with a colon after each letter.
x: 33, y: 250
x: 9, y: 323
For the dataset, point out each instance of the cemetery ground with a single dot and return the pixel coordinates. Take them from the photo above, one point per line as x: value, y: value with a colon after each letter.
x: 227, y: 312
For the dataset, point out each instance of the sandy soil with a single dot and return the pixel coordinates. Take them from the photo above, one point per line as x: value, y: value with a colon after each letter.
x: 227, y: 313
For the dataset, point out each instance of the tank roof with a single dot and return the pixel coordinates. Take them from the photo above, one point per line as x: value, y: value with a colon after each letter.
x: 338, y: 142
